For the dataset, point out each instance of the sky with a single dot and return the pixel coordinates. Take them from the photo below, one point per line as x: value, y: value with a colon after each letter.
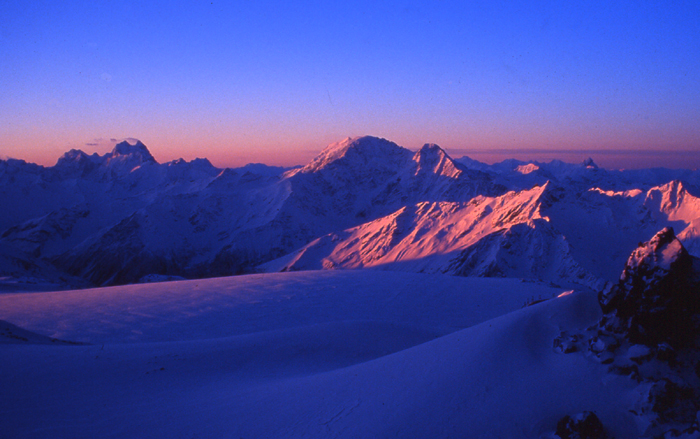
x: 275, y: 82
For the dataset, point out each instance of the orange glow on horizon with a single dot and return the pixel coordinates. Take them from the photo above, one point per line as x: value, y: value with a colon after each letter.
x: 45, y: 151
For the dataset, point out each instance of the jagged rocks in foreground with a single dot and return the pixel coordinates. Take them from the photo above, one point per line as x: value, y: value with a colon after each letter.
x: 649, y: 331
x: 658, y: 296
x: 584, y: 425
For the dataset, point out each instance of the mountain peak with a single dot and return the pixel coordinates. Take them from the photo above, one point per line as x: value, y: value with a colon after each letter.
x: 76, y: 160
x: 72, y: 156
x: 657, y: 297
x: 673, y: 186
x: 434, y: 159
x: 661, y: 252
x: 362, y: 150
x: 527, y: 169
x: 137, y: 150
x: 433, y: 148
x: 589, y: 163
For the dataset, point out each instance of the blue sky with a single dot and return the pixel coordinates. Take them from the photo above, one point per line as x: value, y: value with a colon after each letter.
x: 275, y: 82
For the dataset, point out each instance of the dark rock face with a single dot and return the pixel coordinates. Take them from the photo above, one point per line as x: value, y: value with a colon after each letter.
x: 584, y: 425
x: 657, y: 299
x: 673, y: 402
x: 649, y: 332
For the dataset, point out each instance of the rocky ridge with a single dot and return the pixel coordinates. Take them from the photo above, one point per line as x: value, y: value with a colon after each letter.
x: 650, y: 331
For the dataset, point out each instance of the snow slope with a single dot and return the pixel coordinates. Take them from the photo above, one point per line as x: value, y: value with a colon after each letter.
x: 220, y: 307
x: 302, y: 369
x: 548, y: 232
x: 482, y: 237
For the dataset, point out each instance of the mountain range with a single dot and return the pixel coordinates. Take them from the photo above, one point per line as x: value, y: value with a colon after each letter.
x: 123, y: 217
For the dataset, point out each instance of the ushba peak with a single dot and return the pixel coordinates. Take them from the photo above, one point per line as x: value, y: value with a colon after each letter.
x: 137, y: 150
x: 123, y: 151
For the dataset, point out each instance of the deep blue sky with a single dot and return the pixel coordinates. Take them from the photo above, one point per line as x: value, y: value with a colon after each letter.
x: 275, y: 82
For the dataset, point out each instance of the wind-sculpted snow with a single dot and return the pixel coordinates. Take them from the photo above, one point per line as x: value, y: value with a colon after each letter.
x: 363, y: 202
x: 329, y: 354
x: 232, y: 306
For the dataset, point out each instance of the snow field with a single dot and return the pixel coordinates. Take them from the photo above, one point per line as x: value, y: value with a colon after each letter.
x: 309, y: 354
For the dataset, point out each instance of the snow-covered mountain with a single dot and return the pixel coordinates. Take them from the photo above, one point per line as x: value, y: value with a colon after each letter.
x: 519, y: 174
x: 548, y: 232
x: 363, y: 202
x: 504, y: 236
x: 124, y: 216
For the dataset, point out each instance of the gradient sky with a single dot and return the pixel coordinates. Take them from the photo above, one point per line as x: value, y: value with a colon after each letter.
x: 275, y: 82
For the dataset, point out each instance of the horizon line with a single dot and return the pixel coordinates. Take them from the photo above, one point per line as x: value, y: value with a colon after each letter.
x: 573, y: 151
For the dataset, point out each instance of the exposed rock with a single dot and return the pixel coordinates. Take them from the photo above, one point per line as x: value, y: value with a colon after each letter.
x: 649, y: 331
x: 672, y: 402
x: 658, y: 296
x: 568, y: 343
x: 584, y: 425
